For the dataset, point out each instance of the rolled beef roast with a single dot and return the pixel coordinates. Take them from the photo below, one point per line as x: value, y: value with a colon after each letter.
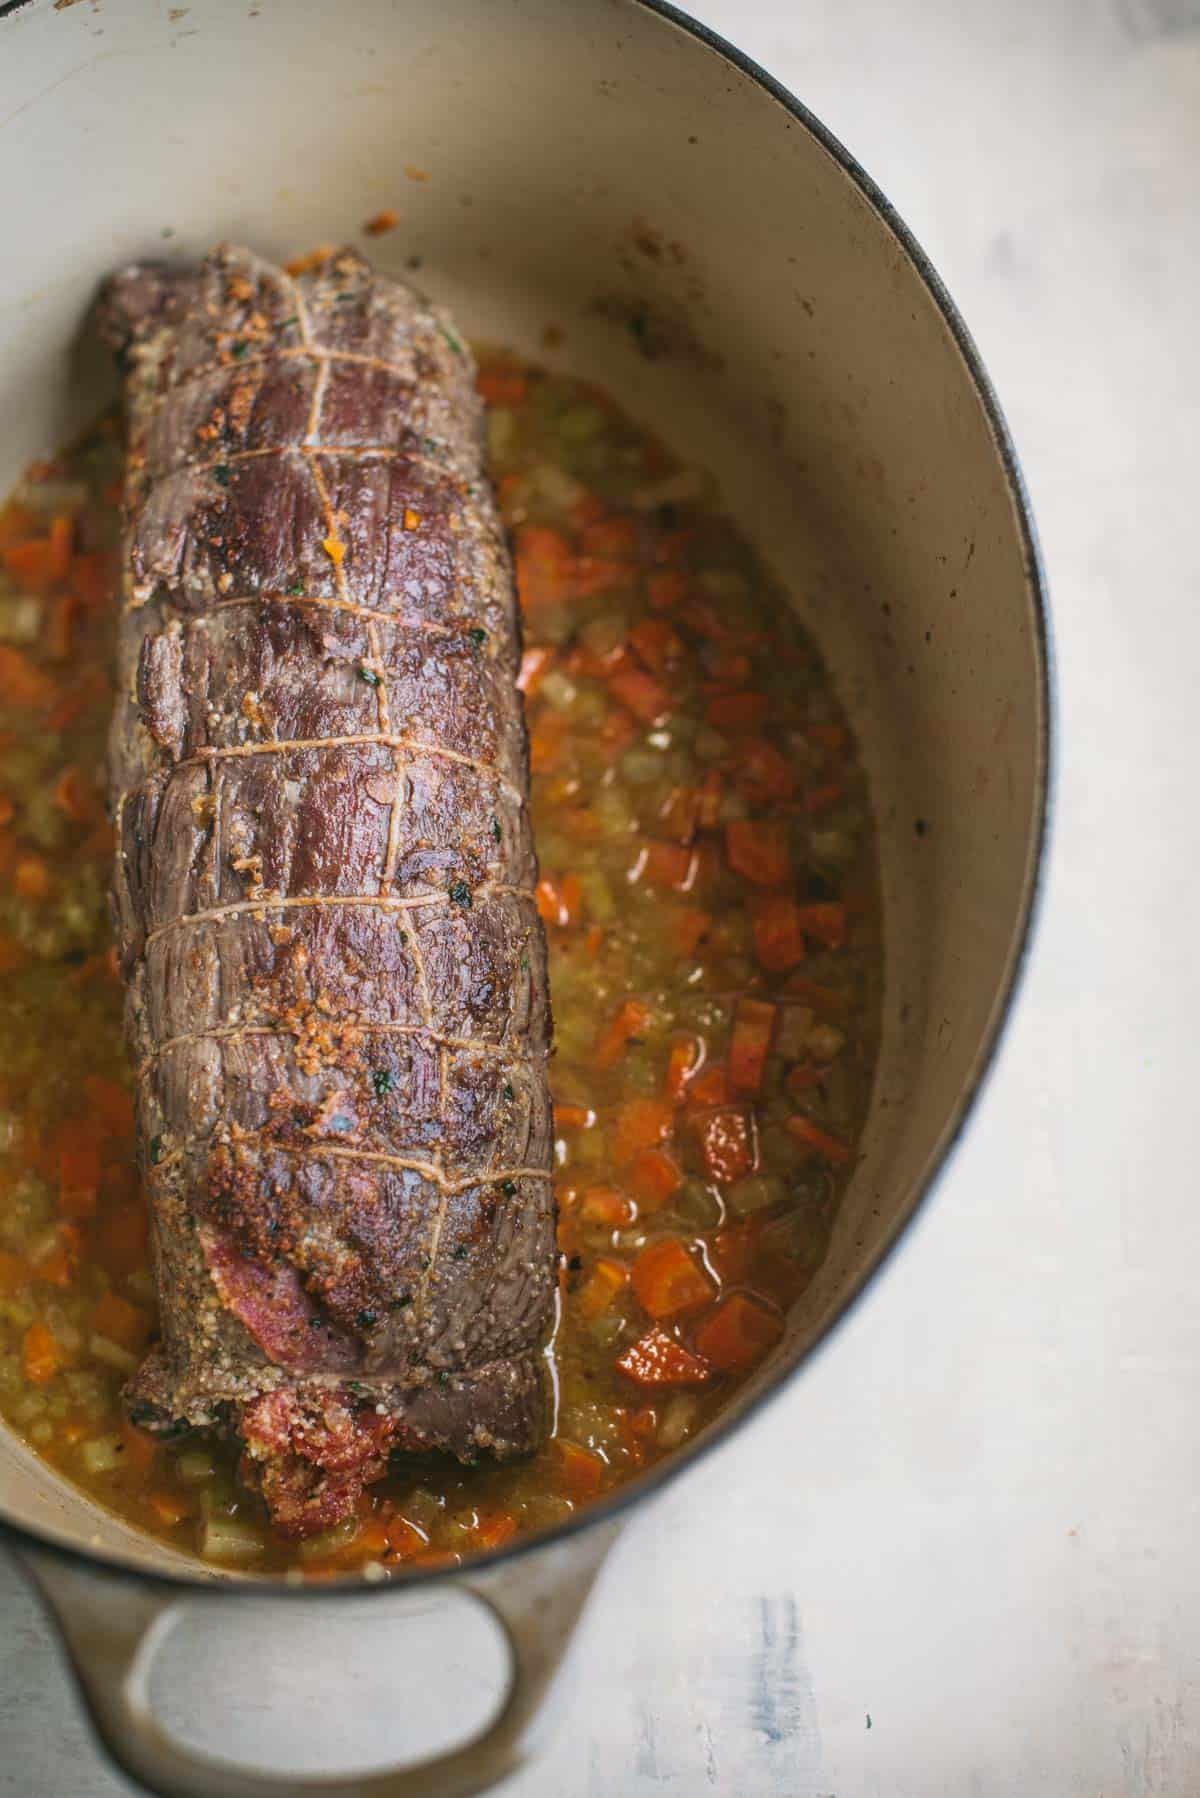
x: 336, y: 974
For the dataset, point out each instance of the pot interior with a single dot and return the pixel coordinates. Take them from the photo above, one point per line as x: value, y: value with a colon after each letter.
x: 599, y: 169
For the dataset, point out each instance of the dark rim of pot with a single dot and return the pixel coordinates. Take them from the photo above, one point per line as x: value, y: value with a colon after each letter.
x: 187, y: 1580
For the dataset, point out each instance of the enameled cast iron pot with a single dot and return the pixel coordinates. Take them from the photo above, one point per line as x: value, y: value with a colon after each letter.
x: 716, y: 259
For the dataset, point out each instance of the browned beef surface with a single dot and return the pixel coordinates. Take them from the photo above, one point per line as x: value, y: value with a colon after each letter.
x: 336, y: 973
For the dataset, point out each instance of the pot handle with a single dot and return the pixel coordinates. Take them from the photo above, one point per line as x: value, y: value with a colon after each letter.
x: 112, y: 1626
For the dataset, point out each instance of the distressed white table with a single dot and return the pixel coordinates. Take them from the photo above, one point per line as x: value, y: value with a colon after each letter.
x: 961, y: 1556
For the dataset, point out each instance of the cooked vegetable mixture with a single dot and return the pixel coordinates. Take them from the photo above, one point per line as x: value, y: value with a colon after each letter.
x: 708, y: 887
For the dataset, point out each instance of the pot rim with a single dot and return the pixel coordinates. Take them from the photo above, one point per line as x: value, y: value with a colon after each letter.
x: 199, y: 1579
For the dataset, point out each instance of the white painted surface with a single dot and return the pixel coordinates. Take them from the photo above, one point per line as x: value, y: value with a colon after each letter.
x: 975, y: 1520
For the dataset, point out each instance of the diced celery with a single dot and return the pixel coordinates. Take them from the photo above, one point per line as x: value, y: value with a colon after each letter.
x: 112, y: 1354
x: 194, y: 1465
x: 232, y: 1540
x: 755, y: 1192
x: 101, y: 1454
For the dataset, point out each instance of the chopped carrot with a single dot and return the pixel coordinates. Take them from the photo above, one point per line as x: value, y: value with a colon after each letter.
x: 682, y: 1062
x: 535, y: 664
x: 34, y: 564
x: 141, y: 1448
x: 813, y: 1137
x: 372, y: 1539
x: 22, y: 685
x: 778, y: 932
x: 582, y: 1471
x: 653, y: 1178
x: 656, y: 1359
x: 601, y: 1287
x: 602, y: 1205
x: 641, y: 694
x: 42, y: 1356
x: 311, y: 262
x: 709, y: 1088
x: 726, y: 1142
x: 750, y: 1043
x: 381, y: 222
x: 758, y: 850
x: 667, y: 589
x: 628, y: 1023
x: 13, y: 1273
x: 31, y: 878
x: 668, y: 1282
x: 640, y: 1124
x: 593, y: 941
x: 169, y: 1507
x: 545, y: 565
x: 763, y: 772
x: 573, y: 1117
x: 656, y: 643
x: 826, y: 922
x: 118, y: 1321
x: 664, y: 865
x: 739, y: 1333
x: 334, y: 548
x: 559, y: 902
x: 494, y: 1529
x: 411, y: 520
x: 826, y: 1001
x: 501, y: 384
x: 737, y: 712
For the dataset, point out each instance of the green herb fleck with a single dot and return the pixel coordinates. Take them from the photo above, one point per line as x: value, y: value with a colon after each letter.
x: 296, y: 587
x: 460, y: 1251
x: 495, y: 830
x: 221, y: 474
x: 157, y: 1150
x: 509, y: 1188
x: 240, y: 348
x: 399, y: 1303
x: 451, y: 339
x: 460, y: 894
x: 525, y: 964
x: 285, y: 322
x: 477, y: 634
x: 383, y: 1080
x: 443, y: 1378
x: 508, y: 1090
x: 366, y: 1320
x: 369, y: 675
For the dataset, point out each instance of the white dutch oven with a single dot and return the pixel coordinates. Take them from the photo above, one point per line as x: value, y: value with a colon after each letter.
x: 715, y: 258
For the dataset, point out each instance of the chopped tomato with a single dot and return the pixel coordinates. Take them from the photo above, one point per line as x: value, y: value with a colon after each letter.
x: 656, y: 1359
x: 682, y: 1062
x: 602, y: 1205
x: 42, y: 1355
x: 668, y: 1282
x: 726, y: 1139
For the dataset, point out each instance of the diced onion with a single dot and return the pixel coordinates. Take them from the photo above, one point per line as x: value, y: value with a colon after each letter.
x: 101, y: 1454
x: 112, y: 1354
x: 229, y: 1539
